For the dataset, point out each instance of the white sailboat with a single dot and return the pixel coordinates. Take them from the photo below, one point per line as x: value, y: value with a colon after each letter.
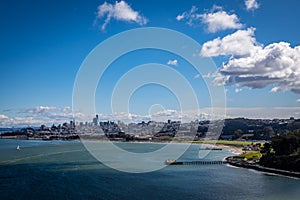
x: 18, y: 147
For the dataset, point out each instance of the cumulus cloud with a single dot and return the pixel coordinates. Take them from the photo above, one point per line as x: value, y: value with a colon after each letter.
x: 220, y: 20
x: 253, y: 65
x: 216, y: 20
x: 298, y: 100
x: 251, y: 4
x: 119, y: 11
x: 240, y: 43
x: 172, y: 62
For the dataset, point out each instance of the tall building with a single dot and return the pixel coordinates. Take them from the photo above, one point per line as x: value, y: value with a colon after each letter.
x: 95, y: 120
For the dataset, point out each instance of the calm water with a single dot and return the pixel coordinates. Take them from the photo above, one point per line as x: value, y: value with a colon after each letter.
x: 65, y: 170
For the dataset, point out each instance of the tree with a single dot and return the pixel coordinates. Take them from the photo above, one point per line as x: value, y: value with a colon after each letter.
x: 286, y: 154
x: 238, y: 133
x: 268, y: 132
x: 266, y: 149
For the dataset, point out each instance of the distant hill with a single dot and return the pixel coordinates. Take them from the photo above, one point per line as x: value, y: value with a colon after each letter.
x: 3, y: 130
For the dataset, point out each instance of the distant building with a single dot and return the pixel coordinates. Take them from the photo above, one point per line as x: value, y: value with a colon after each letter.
x: 72, y: 124
x: 95, y: 121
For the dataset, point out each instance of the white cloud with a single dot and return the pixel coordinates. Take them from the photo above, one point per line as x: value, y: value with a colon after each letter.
x: 232, y: 112
x: 251, y: 4
x: 208, y: 75
x: 6, y: 121
x: 180, y: 17
x: 240, y: 43
x: 216, y: 20
x: 162, y: 116
x: 237, y: 90
x: 275, y: 89
x: 263, y: 112
x: 206, y: 113
x: 298, y: 100
x: 253, y: 65
x: 41, y: 115
x: 119, y: 11
x: 40, y: 110
x: 189, y: 16
x: 3, y: 117
x: 277, y: 64
x: 197, y: 76
x: 172, y: 62
x: 220, y: 20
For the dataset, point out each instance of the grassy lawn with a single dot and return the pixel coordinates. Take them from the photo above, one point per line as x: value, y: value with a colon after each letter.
x: 223, y: 142
x: 250, y: 155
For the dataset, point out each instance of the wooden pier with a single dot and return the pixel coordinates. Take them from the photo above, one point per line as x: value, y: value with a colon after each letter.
x: 211, y: 149
x: 198, y: 162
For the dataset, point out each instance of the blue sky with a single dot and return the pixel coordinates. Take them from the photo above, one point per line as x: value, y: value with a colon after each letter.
x: 43, y: 44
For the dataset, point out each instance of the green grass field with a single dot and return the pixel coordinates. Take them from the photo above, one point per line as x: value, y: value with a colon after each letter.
x: 250, y: 155
x: 223, y: 142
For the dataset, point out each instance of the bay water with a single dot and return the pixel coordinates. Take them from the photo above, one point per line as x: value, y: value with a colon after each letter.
x: 66, y: 170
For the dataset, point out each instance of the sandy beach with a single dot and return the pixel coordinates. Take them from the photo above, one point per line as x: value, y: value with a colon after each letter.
x: 233, y: 149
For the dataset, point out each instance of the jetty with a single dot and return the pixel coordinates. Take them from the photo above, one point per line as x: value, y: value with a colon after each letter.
x: 196, y: 162
x: 211, y: 149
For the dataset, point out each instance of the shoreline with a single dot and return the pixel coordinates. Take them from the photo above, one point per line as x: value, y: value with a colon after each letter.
x: 232, y: 148
x: 267, y: 170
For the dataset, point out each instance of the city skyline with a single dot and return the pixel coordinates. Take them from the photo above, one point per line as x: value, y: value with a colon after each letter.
x: 253, y: 44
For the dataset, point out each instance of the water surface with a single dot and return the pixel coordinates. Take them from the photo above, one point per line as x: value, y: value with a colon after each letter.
x: 66, y: 170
